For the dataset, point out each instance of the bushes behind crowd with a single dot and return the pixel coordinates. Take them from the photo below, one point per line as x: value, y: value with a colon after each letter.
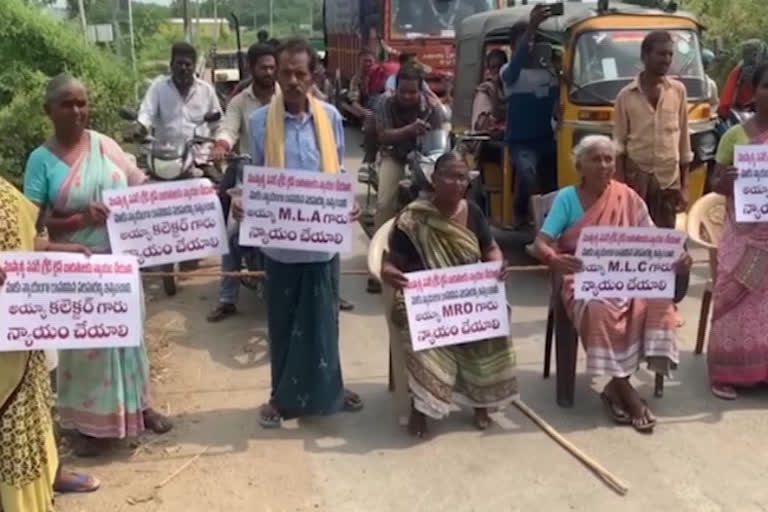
x: 33, y: 48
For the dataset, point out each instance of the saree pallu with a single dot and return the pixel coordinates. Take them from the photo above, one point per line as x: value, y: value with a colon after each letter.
x: 101, y: 393
x: 303, y: 316
x: 738, y: 342
x: 619, y: 334
x: 477, y: 374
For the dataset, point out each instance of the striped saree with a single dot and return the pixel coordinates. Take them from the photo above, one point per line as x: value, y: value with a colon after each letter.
x: 477, y: 374
x: 618, y: 334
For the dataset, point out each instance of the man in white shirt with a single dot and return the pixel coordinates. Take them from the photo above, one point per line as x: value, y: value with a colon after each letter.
x: 174, y: 106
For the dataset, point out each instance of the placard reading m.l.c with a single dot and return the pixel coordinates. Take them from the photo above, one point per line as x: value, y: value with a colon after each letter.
x: 628, y: 263
x: 301, y: 210
x: 66, y: 301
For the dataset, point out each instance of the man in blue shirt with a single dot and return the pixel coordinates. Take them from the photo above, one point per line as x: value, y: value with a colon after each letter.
x: 302, y: 286
x: 532, y: 96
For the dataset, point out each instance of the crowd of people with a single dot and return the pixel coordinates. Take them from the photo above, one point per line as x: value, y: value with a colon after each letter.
x: 282, y: 119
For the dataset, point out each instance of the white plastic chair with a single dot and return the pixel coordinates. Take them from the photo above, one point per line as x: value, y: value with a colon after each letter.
x: 706, y: 220
x: 376, y: 250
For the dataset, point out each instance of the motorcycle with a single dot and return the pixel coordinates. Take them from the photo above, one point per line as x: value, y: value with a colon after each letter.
x: 169, y: 161
x: 420, y: 166
x: 252, y: 258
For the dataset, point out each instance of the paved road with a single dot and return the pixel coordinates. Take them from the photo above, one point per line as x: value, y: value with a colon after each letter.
x: 706, y: 455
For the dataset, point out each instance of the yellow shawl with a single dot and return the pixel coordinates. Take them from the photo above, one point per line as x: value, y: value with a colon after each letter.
x: 326, y: 140
x: 18, y: 219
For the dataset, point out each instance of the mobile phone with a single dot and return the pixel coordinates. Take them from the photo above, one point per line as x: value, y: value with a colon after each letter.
x: 557, y: 9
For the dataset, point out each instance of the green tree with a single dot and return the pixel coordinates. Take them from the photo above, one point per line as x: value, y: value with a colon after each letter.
x: 33, y: 48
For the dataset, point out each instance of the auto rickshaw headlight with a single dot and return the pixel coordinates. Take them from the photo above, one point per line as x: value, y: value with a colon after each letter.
x: 705, y: 145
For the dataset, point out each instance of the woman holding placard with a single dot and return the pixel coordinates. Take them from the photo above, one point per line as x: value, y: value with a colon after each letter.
x: 447, y: 231
x: 617, y: 334
x: 29, y: 462
x: 738, y: 345
x: 103, y: 393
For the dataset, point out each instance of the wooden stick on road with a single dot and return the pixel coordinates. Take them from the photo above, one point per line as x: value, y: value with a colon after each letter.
x: 605, y: 475
x: 181, y: 468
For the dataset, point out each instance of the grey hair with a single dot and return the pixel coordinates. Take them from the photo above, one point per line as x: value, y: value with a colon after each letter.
x: 587, y: 143
x: 58, y: 84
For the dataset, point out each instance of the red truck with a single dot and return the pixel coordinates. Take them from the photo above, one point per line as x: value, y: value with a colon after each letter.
x: 425, y: 28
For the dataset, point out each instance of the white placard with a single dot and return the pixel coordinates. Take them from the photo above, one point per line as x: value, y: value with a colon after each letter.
x: 627, y: 263
x: 456, y: 305
x: 66, y: 301
x: 750, y: 189
x: 167, y: 222
x: 300, y: 210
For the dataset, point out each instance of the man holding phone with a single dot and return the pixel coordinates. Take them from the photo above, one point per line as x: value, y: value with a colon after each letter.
x: 400, y: 121
x: 532, y: 93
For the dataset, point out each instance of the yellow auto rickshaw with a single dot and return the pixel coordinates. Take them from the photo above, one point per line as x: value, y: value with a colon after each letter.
x: 599, y: 45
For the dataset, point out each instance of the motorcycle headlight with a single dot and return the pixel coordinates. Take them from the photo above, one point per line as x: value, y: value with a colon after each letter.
x: 167, y: 169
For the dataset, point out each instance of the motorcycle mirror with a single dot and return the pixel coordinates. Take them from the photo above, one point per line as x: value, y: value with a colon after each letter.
x: 212, y: 117
x: 128, y: 114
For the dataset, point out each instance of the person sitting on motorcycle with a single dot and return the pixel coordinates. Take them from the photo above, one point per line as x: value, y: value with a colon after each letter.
x: 489, y: 109
x: 174, y: 106
x: 357, y: 103
x: 400, y: 121
x: 236, y: 129
x: 322, y: 88
x: 412, y: 60
x: 738, y: 93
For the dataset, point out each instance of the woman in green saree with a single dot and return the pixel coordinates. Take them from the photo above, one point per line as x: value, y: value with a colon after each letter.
x: 447, y: 231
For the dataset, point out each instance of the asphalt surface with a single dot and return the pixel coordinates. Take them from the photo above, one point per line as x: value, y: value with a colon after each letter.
x: 705, y: 455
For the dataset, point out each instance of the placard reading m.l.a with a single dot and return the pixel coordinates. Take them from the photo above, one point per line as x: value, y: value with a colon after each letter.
x: 167, y: 222
x: 627, y: 263
x: 455, y: 305
x: 301, y: 210
x: 66, y: 301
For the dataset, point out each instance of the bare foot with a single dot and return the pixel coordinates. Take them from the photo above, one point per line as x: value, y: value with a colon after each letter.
x: 482, y: 420
x: 156, y: 422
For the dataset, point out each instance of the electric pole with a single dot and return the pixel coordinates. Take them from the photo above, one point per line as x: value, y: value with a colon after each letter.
x: 271, y: 19
x: 185, y: 13
x: 81, y: 8
x: 133, y: 45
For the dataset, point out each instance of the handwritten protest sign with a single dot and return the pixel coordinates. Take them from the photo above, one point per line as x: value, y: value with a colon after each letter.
x: 67, y: 301
x: 625, y: 263
x: 456, y: 305
x: 167, y: 222
x: 305, y: 211
x: 750, y: 192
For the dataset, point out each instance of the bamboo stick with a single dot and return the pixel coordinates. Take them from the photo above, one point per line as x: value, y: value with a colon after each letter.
x: 606, y: 476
